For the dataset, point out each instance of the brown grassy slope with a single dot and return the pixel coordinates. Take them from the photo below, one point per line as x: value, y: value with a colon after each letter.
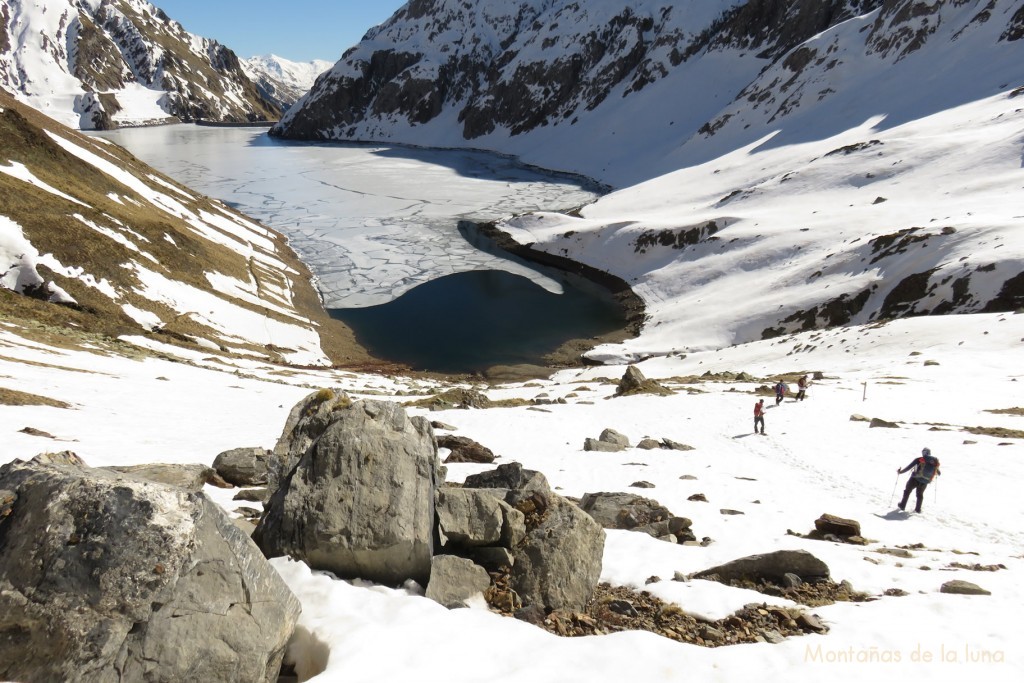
x: 49, y: 224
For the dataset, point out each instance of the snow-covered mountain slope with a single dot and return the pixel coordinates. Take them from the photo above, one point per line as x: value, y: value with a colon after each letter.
x: 94, y: 242
x: 96, y: 64
x: 875, y: 222
x: 657, y: 86
x: 836, y: 162
x: 281, y: 80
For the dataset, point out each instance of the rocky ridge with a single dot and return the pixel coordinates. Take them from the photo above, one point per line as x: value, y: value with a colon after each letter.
x: 535, y: 64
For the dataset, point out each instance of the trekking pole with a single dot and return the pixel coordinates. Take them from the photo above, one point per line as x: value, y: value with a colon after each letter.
x: 894, y: 487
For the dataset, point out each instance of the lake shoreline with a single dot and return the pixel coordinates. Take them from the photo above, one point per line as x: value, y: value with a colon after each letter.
x: 569, y: 354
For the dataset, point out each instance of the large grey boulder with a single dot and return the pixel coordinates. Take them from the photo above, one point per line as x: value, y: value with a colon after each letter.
x: 306, y: 421
x: 453, y: 580
x: 558, y: 563
x: 105, y: 577
x: 243, y: 466
x: 360, y: 501
x: 771, y: 567
x: 471, y: 517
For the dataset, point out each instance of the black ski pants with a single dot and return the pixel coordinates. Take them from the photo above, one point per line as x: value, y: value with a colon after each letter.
x: 919, y: 486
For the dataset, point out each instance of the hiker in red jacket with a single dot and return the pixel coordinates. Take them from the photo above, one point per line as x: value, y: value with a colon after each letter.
x: 759, y: 415
x: 925, y: 469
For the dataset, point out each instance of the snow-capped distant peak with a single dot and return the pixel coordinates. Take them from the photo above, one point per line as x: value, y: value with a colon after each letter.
x: 281, y: 80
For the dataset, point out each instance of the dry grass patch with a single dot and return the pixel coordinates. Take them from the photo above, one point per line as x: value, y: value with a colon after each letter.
x: 13, y: 397
x: 997, y: 432
x: 1007, y: 411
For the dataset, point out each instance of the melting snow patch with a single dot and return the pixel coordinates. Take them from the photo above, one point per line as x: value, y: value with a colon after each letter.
x: 205, y: 343
x: 21, y: 172
x: 237, y: 289
x: 162, y: 201
x: 226, y: 317
x: 58, y: 295
x: 145, y: 318
x: 21, y: 260
x: 164, y: 183
x: 116, y: 236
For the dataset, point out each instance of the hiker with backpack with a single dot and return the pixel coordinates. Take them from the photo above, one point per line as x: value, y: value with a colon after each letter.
x: 925, y: 468
x: 759, y: 415
x: 780, y: 390
x: 802, y: 386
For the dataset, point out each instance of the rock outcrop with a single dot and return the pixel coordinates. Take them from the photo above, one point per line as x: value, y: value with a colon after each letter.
x: 634, y: 382
x: 837, y: 526
x: 649, y: 444
x: 959, y: 587
x: 771, y: 567
x: 243, y: 466
x: 636, y: 513
x: 464, y: 449
x: 610, y: 441
x: 104, y: 576
x: 360, y: 500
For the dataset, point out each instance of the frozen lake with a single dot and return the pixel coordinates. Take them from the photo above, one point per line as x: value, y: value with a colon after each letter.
x: 378, y: 226
x: 372, y: 222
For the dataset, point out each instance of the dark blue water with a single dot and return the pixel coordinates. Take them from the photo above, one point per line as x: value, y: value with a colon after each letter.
x: 471, y: 321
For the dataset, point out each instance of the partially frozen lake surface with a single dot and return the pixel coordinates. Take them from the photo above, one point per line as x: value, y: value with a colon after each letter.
x: 372, y: 222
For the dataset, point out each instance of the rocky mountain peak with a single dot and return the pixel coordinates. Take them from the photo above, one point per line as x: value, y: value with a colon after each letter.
x: 538, y: 75
x: 92, y: 63
x: 514, y: 68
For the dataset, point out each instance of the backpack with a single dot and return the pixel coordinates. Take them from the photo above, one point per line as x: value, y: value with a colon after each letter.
x: 926, y: 468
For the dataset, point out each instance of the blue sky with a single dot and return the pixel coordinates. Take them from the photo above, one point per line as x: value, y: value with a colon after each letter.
x: 299, y: 30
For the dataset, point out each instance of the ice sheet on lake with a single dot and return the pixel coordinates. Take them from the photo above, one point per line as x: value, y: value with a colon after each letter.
x: 371, y: 222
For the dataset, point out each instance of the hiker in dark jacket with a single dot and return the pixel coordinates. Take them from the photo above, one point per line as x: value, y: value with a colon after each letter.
x: 925, y: 468
x: 780, y: 391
